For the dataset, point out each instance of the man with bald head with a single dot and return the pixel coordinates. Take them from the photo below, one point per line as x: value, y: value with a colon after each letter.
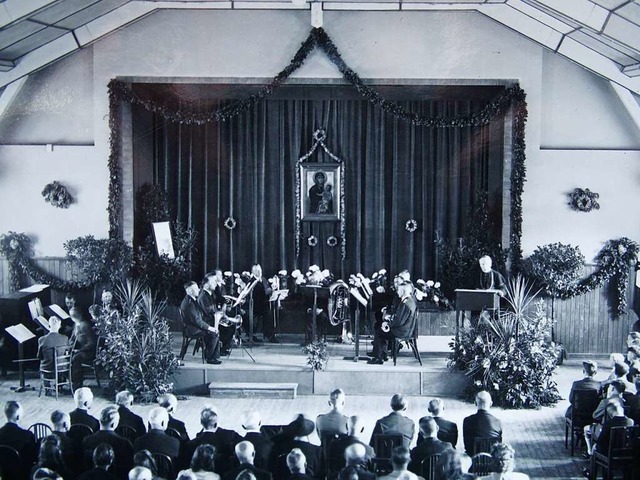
x: 156, y: 440
x: 245, y: 453
x: 481, y: 423
x: 338, y: 447
x: 355, y: 457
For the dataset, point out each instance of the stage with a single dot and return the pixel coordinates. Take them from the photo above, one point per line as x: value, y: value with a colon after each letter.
x: 285, y: 363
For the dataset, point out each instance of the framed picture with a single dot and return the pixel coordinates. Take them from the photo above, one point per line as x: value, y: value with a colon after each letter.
x: 164, y: 244
x: 320, y: 192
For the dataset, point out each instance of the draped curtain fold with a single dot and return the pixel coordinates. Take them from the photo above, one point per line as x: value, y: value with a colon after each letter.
x: 245, y: 168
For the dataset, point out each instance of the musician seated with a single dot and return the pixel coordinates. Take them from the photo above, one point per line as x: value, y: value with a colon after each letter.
x: 400, y: 324
x: 213, y: 304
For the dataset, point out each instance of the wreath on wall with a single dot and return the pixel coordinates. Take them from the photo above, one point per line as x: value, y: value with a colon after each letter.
x: 57, y: 195
x: 583, y: 200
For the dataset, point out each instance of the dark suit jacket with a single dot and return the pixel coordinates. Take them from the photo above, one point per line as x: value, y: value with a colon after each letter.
x: 193, y: 317
x: 130, y: 419
x: 261, y: 293
x: 83, y: 417
x: 429, y: 446
x: 259, y: 474
x: 587, y: 383
x: 447, y: 431
x: 480, y: 424
x: 395, y: 423
x: 46, y: 344
x: 84, y: 340
x: 312, y: 453
x: 602, y: 443
x: 122, y: 449
x: 262, y: 446
x: 23, y: 441
x: 340, y: 444
x: 404, y: 320
x: 70, y: 453
x: 98, y: 474
x: 178, y: 425
x: 491, y: 280
x: 156, y: 441
x: 224, y: 441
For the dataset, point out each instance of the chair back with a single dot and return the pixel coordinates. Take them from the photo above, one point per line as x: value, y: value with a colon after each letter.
x: 484, y: 444
x: 623, y: 443
x: 164, y: 464
x: 127, y: 432
x: 9, y: 462
x: 481, y: 464
x: 78, y: 431
x: 584, y: 404
x: 428, y: 467
x: 325, y: 444
x: 383, y: 445
x: 40, y: 430
x: 173, y: 433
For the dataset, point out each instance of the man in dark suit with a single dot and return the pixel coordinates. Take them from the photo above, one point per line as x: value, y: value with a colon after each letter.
x: 122, y: 448
x: 429, y: 446
x: 83, y: 341
x: 212, y: 302
x: 355, y: 460
x: 195, y: 324
x: 169, y: 402
x: 223, y: 440
x: 14, y: 436
x: 296, y: 436
x: 401, y: 324
x: 395, y: 422
x: 261, y: 309
x: 84, y: 398
x: 481, y: 423
x: 70, y: 452
x: 156, y: 440
x: 490, y: 279
x: 261, y: 444
x: 103, y: 457
x: 124, y: 400
x: 48, y: 342
x: 338, y: 447
x: 447, y: 430
x: 245, y: 453
x: 589, y: 369
x: 617, y: 418
x: 335, y: 421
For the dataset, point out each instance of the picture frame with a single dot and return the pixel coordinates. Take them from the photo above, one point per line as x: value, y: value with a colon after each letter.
x: 164, y: 243
x: 320, y: 192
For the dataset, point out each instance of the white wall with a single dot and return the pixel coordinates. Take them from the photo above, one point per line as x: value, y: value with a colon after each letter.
x: 568, y: 107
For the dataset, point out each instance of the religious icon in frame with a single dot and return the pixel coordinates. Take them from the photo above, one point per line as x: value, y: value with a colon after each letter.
x: 320, y: 191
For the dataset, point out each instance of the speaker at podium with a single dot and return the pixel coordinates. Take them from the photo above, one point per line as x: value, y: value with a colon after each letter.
x: 475, y: 301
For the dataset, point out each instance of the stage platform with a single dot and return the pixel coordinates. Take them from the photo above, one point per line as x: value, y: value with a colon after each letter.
x: 285, y: 363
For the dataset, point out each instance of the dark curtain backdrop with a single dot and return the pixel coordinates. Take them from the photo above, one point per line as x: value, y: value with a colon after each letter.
x: 246, y: 169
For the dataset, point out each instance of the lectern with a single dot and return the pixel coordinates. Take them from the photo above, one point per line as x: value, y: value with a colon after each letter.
x: 474, y: 300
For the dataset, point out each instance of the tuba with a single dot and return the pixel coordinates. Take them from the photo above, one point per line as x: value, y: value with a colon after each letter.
x: 387, y: 318
x: 338, y: 311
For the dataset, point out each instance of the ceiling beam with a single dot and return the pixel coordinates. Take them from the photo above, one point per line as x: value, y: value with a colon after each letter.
x: 6, y: 65
x: 13, y: 10
x: 10, y: 93
x: 629, y: 103
x: 632, y: 70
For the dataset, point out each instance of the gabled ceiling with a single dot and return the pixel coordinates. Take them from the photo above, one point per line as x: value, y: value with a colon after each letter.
x: 601, y: 35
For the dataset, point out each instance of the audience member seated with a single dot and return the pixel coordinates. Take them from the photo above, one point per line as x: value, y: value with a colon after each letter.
x: 339, y: 446
x: 400, y: 461
x: 124, y: 400
x: 621, y: 370
x: 334, y: 422
x: 186, y: 475
x: 70, y: 451
x: 395, y: 422
x: 503, y: 464
x: 356, y: 461
x: 83, y: 398
x: 617, y: 418
x: 156, y: 440
x: 633, y: 338
x: 245, y: 453
x: 46, y: 474
x: 14, y: 436
x: 170, y: 403
x: 613, y: 359
x: 103, y: 457
x: 296, y: 436
x: 203, y: 463
x: 261, y: 444
x: 140, y: 473
x: 83, y: 340
x: 447, y: 430
x: 297, y: 465
x: 481, y: 423
x: 633, y: 360
x: 429, y: 446
x: 589, y: 370
x: 453, y: 465
x: 122, y: 448
x: 50, y: 456
x: 48, y: 342
x: 601, y: 414
x: 195, y: 324
x: 145, y: 459
x: 223, y: 440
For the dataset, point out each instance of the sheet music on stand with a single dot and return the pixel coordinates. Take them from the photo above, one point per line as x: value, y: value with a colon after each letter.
x: 279, y: 295
x: 21, y: 334
x: 58, y: 311
x: 43, y: 322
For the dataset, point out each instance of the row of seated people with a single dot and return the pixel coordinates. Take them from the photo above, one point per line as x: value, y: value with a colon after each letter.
x: 277, y: 452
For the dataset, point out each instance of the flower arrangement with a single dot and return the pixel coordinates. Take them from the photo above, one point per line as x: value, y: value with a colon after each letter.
x: 57, y: 195
x: 317, y: 355
x: 279, y: 280
x: 379, y: 281
x: 583, y: 200
x: 314, y: 276
x: 430, y: 292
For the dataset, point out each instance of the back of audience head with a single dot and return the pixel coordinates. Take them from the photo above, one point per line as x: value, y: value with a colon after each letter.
x: 349, y: 472
x: 355, y: 425
x: 144, y: 458
x: 54, y: 324
x: 296, y: 461
x: 633, y: 339
x: 398, y: 403
x: 503, y: 458
x: 245, y: 452
x: 616, y: 388
x: 168, y: 401
x: 428, y: 427
x: 60, y: 420
x: 186, y: 475
x: 246, y: 475
x: 337, y: 399
x: 355, y: 454
x: 400, y: 457
x: 49, y: 454
x: 103, y: 456
x: 435, y: 407
x: 633, y: 352
x: 46, y: 474
x: 251, y: 420
x: 140, y: 473
x: 208, y: 417
x: 453, y: 465
x: 124, y: 398
x: 620, y: 369
x: 158, y: 418
x: 13, y: 411
x: 589, y: 367
x: 616, y: 358
x: 83, y: 398
x: 203, y: 458
x: 483, y: 400
x: 109, y: 418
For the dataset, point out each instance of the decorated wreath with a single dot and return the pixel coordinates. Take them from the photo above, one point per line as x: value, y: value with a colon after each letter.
x: 230, y: 223
x: 312, y: 241
x: 411, y: 225
x: 332, y: 241
x: 57, y: 195
x: 583, y: 200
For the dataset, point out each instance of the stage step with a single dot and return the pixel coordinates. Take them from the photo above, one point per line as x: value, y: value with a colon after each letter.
x: 253, y: 389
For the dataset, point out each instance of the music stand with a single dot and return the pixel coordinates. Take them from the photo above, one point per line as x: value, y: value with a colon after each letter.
x: 21, y: 334
x: 275, y: 299
x: 248, y: 291
x: 362, y: 300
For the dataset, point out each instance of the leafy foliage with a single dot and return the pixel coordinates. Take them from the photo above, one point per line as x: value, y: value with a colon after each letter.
x: 555, y: 267
x: 57, y: 195
x: 15, y: 246
x: 512, y: 356
x: 102, y: 260
x: 317, y: 355
x: 137, y: 351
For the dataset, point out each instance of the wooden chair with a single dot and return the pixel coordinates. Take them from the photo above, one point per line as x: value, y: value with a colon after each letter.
x: 622, y: 454
x: 51, y: 379
x: 325, y: 445
x: 164, y: 464
x: 412, y: 343
x: 584, y: 404
x: 127, y: 432
x: 10, y: 463
x: 186, y: 340
x: 92, y: 366
x: 481, y: 464
x: 383, y: 445
x: 428, y: 468
x: 40, y: 430
x: 484, y: 444
x: 77, y: 432
x: 172, y: 432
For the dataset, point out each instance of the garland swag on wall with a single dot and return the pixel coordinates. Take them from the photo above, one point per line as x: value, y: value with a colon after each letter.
x: 512, y: 97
